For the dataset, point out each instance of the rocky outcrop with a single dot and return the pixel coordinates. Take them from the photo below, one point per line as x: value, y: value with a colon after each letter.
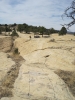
x: 5, y: 43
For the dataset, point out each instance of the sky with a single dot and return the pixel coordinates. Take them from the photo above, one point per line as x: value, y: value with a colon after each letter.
x: 45, y: 13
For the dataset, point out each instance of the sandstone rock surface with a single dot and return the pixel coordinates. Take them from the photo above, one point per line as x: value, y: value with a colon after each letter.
x: 61, y: 52
x: 37, y: 79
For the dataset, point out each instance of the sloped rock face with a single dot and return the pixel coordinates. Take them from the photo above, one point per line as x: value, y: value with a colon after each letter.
x: 61, y: 52
x: 5, y: 43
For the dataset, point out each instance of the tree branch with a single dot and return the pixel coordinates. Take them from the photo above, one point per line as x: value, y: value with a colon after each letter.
x: 70, y: 12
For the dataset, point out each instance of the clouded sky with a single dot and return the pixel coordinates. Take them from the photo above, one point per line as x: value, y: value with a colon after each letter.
x: 34, y: 12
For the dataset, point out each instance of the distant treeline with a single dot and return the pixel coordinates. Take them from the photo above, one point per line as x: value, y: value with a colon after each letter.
x: 26, y: 28
x: 29, y: 28
x: 5, y: 28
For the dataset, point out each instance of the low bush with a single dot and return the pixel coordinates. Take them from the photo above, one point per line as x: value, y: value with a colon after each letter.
x: 52, y: 40
x: 16, y: 51
x: 63, y: 31
x: 14, y: 33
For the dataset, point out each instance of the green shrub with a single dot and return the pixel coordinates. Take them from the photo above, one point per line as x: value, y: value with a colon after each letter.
x: 14, y: 33
x: 63, y: 31
x: 52, y: 40
x: 16, y: 51
x: 0, y: 31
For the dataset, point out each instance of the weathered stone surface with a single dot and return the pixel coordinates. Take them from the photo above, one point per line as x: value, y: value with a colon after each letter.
x: 36, y: 82
x: 5, y: 43
x: 36, y: 79
x: 61, y: 52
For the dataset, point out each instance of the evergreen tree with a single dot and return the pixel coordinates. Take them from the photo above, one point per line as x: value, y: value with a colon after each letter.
x: 63, y: 31
x: 14, y: 33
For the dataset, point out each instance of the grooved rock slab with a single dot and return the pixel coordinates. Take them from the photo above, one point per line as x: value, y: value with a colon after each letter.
x: 36, y: 82
x: 57, y: 59
x: 61, y: 52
